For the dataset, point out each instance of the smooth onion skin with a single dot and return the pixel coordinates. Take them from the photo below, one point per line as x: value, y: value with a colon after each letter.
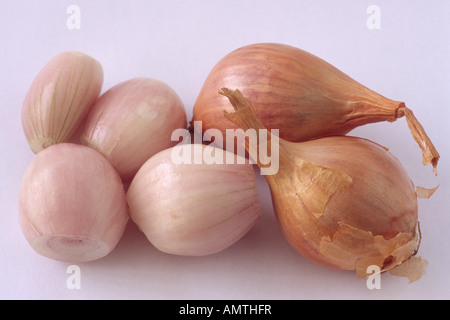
x: 292, y: 90
x: 132, y: 121
x: 72, y: 204
x: 193, y: 209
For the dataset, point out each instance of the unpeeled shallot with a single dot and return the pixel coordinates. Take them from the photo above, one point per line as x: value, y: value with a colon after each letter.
x: 343, y: 202
x: 300, y: 94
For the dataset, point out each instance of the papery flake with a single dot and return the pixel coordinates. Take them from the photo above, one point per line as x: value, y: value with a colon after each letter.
x: 351, y: 248
x: 317, y: 184
x: 413, y: 269
x: 425, y: 193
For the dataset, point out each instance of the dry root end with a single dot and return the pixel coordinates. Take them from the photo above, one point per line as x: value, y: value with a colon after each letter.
x: 40, y: 143
x: 351, y: 248
x: 413, y: 269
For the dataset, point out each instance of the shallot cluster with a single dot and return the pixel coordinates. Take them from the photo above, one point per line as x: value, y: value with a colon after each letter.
x: 342, y: 202
x: 77, y: 197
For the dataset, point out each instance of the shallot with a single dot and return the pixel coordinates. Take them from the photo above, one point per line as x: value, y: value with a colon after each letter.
x: 59, y: 98
x: 300, y: 94
x: 342, y: 202
x: 72, y: 204
x: 187, y: 203
x: 132, y: 121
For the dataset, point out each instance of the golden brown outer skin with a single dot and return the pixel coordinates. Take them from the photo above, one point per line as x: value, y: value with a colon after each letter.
x: 342, y: 202
x: 293, y: 91
x: 380, y: 200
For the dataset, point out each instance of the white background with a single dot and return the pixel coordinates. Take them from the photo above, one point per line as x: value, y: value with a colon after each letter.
x: 179, y: 42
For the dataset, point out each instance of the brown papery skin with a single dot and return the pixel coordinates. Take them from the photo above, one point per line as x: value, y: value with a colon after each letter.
x: 381, y: 198
x: 300, y: 94
x: 342, y: 202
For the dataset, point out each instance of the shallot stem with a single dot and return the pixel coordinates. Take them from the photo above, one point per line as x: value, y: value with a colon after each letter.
x: 429, y: 153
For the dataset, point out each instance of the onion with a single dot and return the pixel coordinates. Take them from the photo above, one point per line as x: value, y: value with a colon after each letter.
x: 133, y: 121
x: 196, y: 206
x: 59, y: 98
x: 301, y: 95
x: 343, y: 202
x: 72, y: 204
